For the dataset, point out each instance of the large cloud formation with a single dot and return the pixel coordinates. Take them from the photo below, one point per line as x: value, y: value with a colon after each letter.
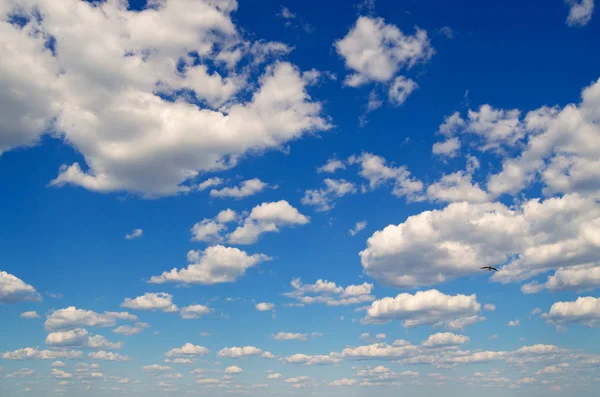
x: 157, y: 117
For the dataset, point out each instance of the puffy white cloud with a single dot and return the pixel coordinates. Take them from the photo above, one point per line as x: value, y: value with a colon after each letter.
x: 58, y: 364
x: 377, y: 172
x: 136, y: 233
x: 578, y: 278
x: 330, y: 293
x: 233, y: 370
x: 424, y: 307
x: 12, y: 288
x: 29, y: 315
x: 131, y: 138
x: 514, y: 323
x: 580, y: 12
x: 29, y: 353
x: 489, y: 307
x: 448, y: 148
x: 376, y: 51
x: 357, y: 228
x: 275, y: 376
x: 246, y: 189
x: 80, y: 337
x: 151, y: 301
x: 226, y: 216
x: 585, y: 310
x: 444, y: 339
x: 437, y: 246
x: 458, y: 186
x: 156, y: 368
x: 188, y: 350
x: 264, y: 218
x: 401, y: 89
x: 210, y: 182
x: 290, y: 336
x: 130, y: 330
x: 331, y: 166
x: 324, y: 199
x: 216, y: 264
x: 107, y: 356
x: 58, y: 374
x: 343, y: 382
x: 304, y: 359
x: 194, y: 312
x: 237, y: 352
x: 71, y: 317
x: 265, y: 306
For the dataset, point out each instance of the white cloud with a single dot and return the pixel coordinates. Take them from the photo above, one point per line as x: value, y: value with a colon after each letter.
x: 29, y: 315
x: 304, y: 359
x: 216, y: 264
x: 514, y: 323
x: 156, y: 368
x: 237, y: 352
x: 444, y: 339
x: 329, y: 293
x: 332, y: 166
x: 578, y: 278
x: 194, y: 312
x: 233, y: 370
x: 357, y: 228
x: 156, y: 145
x: 80, y: 337
x: 424, y: 307
x: 377, y: 172
x: 400, y: 90
x: 210, y: 182
x: 343, y: 382
x: 585, y: 310
x: 21, y: 373
x: 58, y: 374
x: 580, y: 12
x: 58, y: 364
x: 489, y: 307
x: 458, y: 186
x: 71, y: 317
x: 264, y: 218
x: 290, y: 336
x: 448, y: 148
x: 129, y: 330
x: 246, y: 189
x: 211, y: 230
x: 107, y: 356
x: 188, y: 350
x: 226, y: 216
x: 13, y: 289
x: 376, y: 51
x: 29, y: 353
x: 152, y: 301
x: 324, y: 199
x: 265, y: 306
x: 436, y: 246
x: 136, y: 233
x: 275, y: 376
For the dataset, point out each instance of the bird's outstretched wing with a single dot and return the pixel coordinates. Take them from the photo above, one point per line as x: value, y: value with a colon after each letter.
x: 483, y: 267
x: 493, y: 268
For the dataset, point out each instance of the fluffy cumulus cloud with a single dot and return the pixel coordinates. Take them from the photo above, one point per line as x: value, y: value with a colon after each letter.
x: 80, y: 337
x: 530, y: 238
x: 425, y: 307
x: 331, y: 166
x: 246, y: 188
x: 152, y: 301
x: 377, y: 51
x: 265, y: 218
x: 129, y: 330
x: 216, y: 264
x: 304, y: 359
x: 324, y: 199
x: 458, y: 186
x: 377, y: 172
x: 265, y: 306
x: 329, y: 293
x: 13, y: 289
x: 233, y: 370
x: 159, y: 116
x: 29, y: 353
x: 29, y: 315
x: 290, y: 336
x: 237, y: 352
x: 187, y: 351
x: 194, y: 312
x: 72, y: 317
x: 580, y: 12
x: 585, y: 310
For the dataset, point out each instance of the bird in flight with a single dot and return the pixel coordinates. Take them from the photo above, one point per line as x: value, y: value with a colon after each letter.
x: 490, y: 268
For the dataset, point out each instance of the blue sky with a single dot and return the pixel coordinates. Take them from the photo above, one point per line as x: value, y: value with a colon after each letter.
x: 266, y: 198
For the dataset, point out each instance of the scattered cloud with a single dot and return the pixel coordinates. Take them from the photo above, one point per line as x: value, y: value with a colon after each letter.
x: 152, y: 301
x: 580, y: 12
x: 136, y: 233
x: 29, y: 315
x: 357, y: 228
x: 246, y: 189
x: 324, y: 199
x: 329, y: 293
x: 14, y: 290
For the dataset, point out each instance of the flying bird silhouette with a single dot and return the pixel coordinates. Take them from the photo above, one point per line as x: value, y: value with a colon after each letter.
x: 490, y: 268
